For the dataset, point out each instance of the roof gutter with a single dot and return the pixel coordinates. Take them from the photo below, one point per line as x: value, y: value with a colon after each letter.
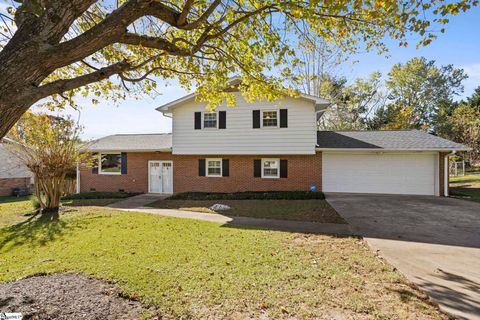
x: 392, y: 149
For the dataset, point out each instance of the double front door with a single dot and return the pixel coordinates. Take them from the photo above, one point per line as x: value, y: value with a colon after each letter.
x: 160, y: 176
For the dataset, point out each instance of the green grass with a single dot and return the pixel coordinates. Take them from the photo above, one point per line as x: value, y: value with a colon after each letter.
x: 466, y: 187
x: 303, y: 210
x: 196, y: 269
x: 17, y: 209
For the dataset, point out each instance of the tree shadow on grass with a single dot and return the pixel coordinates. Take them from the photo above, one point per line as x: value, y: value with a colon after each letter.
x: 37, y: 230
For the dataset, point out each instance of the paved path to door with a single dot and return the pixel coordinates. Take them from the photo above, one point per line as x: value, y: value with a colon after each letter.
x: 140, y: 204
x: 434, y: 242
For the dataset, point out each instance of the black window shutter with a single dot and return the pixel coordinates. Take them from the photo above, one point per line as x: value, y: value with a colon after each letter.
x: 257, y: 168
x: 283, y: 118
x: 201, y: 167
x: 95, y: 163
x: 256, y: 119
x: 283, y: 168
x: 124, y: 162
x: 222, y: 119
x: 198, y: 120
x: 225, y: 168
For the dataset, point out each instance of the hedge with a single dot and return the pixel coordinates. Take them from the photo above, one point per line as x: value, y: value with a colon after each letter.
x: 261, y: 195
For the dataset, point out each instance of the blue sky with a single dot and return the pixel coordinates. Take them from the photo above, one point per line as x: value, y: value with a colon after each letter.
x: 459, y: 46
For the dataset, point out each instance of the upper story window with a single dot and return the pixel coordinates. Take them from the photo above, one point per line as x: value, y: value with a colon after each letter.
x: 270, y: 119
x: 214, y: 167
x: 270, y: 168
x: 110, y: 163
x: 210, y: 120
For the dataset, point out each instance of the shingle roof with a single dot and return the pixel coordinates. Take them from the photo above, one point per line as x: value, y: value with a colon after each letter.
x: 133, y: 142
x: 11, y: 166
x: 385, y: 140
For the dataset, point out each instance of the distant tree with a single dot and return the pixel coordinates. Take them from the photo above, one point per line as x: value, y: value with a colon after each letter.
x: 418, y: 89
x: 465, y: 124
x: 474, y: 99
x: 50, y: 147
x: 352, y: 105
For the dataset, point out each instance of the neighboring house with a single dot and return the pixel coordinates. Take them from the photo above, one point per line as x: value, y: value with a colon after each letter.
x: 267, y: 146
x: 13, y: 174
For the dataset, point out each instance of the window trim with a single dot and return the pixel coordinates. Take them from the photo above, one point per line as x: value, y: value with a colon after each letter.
x: 278, y: 118
x: 216, y: 120
x: 213, y: 175
x: 278, y: 168
x: 100, y: 164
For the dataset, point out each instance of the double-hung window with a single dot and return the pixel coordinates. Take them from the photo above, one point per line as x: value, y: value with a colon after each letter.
x: 214, y: 167
x: 210, y: 120
x: 110, y: 163
x: 269, y: 119
x: 270, y: 168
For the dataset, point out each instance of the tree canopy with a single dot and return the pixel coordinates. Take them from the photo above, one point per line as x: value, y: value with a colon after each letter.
x: 59, y: 48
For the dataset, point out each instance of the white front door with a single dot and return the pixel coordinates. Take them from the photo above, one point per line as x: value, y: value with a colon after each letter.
x: 160, y: 176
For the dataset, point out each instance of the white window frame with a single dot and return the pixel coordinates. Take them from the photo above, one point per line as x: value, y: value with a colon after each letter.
x: 100, y: 164
x: 206, y: 167
x: 278, y: 168
x: 270, y: 127
x: 216, y: 120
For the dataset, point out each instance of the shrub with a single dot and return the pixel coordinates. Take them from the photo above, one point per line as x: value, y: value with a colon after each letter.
x: 99, y: 195
x: 261, y: 195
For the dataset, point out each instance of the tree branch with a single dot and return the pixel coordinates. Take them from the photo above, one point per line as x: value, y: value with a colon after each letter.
x: 63, y: 85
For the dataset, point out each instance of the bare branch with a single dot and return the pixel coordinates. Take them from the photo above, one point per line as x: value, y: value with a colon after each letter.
x: 63, y: 85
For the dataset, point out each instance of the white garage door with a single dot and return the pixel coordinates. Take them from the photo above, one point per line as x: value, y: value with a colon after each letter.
x: 406, y: 173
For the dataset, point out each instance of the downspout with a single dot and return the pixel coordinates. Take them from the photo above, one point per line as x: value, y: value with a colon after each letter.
x: 78, y: 178
x: 446, y: 175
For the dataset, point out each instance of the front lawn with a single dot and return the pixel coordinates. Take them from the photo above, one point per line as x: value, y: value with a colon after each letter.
x: 196, y: 269
x: 304, y: 210
x: 466, y: 187
x: 17, y: 209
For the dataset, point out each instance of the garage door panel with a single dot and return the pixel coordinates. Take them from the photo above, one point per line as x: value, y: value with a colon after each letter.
x: 379, y: 173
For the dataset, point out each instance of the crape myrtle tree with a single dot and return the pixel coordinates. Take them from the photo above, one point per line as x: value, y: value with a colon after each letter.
x: 60, y: 48
x: 50, y: 147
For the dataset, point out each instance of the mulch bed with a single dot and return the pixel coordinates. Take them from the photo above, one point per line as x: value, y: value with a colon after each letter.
x: 66, y: 296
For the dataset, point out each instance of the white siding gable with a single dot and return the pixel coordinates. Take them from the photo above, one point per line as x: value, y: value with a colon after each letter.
x: 239, y: 137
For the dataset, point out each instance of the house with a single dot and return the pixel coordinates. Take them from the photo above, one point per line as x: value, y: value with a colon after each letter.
x: 267, y: 146
x: 13, y: 173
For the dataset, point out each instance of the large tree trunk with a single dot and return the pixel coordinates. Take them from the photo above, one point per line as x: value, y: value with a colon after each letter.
x: 9, y: 115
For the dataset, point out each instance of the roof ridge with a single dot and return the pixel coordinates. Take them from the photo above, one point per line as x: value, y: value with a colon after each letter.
x: 139, y: 134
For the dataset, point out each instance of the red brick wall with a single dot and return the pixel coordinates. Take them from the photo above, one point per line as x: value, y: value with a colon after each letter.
x: 303, y: 171
x: 441, y: 173
x: 7, y: 184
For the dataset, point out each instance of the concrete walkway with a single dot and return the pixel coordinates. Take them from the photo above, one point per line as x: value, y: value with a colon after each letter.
x: 140, y: 204
x: 434, y: 242
x: 137, y: 201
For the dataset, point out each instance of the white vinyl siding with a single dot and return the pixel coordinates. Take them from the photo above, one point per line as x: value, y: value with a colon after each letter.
x: 390, y: 173
x: 240, y: 137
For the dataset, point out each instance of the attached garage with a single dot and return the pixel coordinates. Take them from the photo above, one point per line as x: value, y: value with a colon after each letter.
x: 379, y: 172
x: 391, y: 162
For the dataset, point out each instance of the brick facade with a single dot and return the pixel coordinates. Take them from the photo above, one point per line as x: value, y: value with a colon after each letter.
x: 303, y: 171
x: 7, y: 184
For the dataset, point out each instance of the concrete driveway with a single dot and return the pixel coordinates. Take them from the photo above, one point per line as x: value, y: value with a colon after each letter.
x: 434, y: 242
